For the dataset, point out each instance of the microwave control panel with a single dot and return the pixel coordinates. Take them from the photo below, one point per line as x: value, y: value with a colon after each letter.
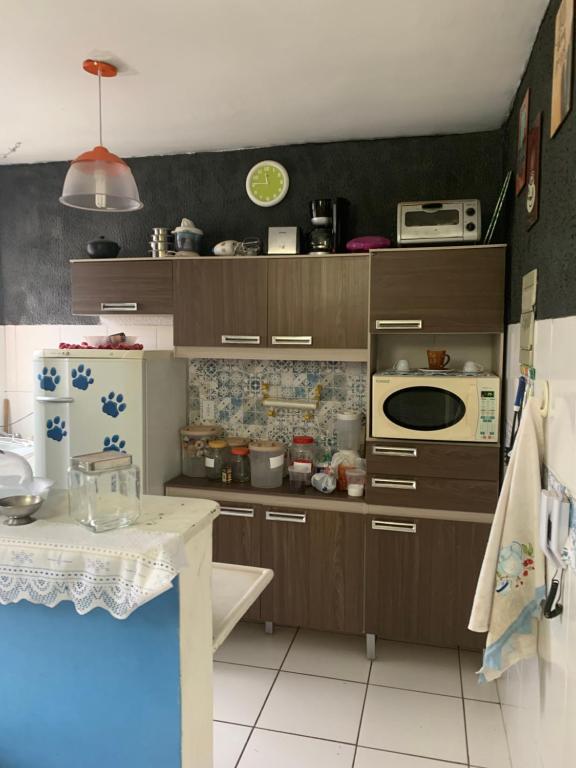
x: 488, y: 409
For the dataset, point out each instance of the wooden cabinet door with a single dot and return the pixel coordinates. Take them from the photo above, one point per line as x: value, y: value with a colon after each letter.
x: 318, y: 562
x: 421, y: 577
x: 220, y: 302
x: 318, y: 302
x: 452, y: 290
x: 236, y: 538
x: 131, y: 287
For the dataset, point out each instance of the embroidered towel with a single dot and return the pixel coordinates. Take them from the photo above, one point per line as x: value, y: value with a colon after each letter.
x: 512, y: 580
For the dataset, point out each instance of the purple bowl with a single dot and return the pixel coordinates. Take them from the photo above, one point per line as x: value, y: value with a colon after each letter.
x: 367, y: 243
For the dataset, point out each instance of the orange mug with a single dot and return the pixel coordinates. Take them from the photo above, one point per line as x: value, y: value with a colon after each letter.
x: 437, y: 358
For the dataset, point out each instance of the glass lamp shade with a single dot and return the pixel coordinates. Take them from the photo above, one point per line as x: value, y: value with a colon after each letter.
x: 100, y: 181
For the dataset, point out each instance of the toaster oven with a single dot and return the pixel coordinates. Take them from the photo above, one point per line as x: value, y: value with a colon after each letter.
x: 441, y: 221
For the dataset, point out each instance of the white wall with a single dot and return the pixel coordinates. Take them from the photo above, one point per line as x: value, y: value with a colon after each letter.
x: 18, y: 342
x: 539, y: 696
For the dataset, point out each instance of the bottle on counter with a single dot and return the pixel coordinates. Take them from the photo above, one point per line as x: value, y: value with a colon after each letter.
x: 240, y: 465
x: 216, y: 459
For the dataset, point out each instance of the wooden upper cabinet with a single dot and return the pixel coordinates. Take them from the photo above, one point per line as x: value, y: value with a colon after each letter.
x: 318, y: 302
x: 449, y: 290
x: 129, y: 286
x: 220, y: 302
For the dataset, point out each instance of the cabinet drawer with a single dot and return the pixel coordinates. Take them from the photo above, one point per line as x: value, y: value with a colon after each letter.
x: 432, y: 492
x: 456, y: 460
x: 118, y: 287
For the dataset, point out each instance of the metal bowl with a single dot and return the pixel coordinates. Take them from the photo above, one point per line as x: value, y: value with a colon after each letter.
x: 18, y: 509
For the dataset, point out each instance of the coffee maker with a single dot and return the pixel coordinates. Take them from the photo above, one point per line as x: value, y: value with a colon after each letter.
x: 328, y: 216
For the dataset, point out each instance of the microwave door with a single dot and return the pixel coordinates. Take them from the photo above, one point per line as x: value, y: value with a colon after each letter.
x: 424, y: 410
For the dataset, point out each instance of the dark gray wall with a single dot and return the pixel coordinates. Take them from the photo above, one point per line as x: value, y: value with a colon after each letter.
x: 38, y: 235
x: 550, y: 245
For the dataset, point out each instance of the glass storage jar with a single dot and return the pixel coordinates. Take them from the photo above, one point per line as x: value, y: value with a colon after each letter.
x: 104, y: 490
x: 194, y: 441
x: 216, y: 458
x: 304, y: 453
x: 266, y: 464
x: 240, y: 464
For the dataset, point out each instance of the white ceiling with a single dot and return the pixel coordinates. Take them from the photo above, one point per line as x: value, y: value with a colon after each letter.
x: 222, y: 74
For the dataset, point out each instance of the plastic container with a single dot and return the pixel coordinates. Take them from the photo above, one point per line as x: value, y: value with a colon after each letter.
x: 216, y: 458
x: 266, y: 464
x: 240, y: 464
x: 104, y: 490
x: 298, y: 480
x: 356, y: 480
x: 348, y: 429
x: 304, y: 453
x: 194, y: 441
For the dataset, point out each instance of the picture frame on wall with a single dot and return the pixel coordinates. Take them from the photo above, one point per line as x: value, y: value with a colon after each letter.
x: 562, y: 72
x: 523, y: 117
x: 533, y: 171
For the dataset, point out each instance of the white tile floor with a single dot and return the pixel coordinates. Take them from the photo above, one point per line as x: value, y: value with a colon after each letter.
x: 302, y: 699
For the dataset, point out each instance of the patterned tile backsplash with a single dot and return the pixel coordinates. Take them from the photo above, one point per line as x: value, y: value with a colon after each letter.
x: 228, y: 392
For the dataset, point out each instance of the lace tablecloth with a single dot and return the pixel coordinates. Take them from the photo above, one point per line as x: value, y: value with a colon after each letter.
x: 49, y: 562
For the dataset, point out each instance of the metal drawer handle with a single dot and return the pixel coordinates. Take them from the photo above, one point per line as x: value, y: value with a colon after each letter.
x: 54, y: 399
x: 394, y: 450
x: 119, y: 306
x: 393, y: 525
x: 398, y: 325
x: 228, y: 339
x: 302, y: 341
x: 237, y: 511
x: 387, y: 482
x: 285, y: 517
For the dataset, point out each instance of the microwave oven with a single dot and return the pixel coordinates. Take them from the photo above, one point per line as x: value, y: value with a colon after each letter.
x: 440, y: 221
x: 463, y: 408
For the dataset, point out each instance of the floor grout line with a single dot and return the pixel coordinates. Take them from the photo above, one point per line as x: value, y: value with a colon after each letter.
x: 463, y: 707
x: 412, y: 754
x: 362, y: 713
x: 294, y: 636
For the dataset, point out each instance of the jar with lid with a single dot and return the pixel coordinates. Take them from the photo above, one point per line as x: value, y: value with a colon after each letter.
x: 104, y: 490
x: 266, y: 464
x: 237, y: 442
x: 304, y: 453
x: 216, y: 458
x: 348, y: 429
x: 240, y: 464
x: 194, y: 442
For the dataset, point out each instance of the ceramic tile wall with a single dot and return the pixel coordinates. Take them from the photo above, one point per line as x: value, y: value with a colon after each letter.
x: 18, y: 342
x: 228, y: 392
x: 539, y: 696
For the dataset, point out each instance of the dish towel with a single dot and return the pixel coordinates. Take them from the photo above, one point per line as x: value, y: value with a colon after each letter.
x: 512, y: 582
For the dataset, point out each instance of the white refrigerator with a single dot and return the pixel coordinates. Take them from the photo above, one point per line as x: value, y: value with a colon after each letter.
x: 109, y: 400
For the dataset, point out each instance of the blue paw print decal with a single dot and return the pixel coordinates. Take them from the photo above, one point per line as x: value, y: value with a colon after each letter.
x: 82, y: 378
x: 113, y: 405
x: 114, y: 443
x: 56, y: 428
x: 49, y: 379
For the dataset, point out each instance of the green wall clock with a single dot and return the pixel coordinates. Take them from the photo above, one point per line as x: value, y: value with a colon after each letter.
x: 267, y: 183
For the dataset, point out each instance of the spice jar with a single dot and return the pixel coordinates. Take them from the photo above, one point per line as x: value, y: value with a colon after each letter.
x: 240, y: 464
x: 194, y: 441
x: 216, y: 459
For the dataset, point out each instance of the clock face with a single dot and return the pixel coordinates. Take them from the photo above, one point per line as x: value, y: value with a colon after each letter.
x: 267, y: 183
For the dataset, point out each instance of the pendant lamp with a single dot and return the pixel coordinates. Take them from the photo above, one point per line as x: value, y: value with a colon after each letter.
x: 97, y: 180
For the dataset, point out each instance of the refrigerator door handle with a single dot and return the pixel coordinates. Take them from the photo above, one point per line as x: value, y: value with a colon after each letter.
x: 41, y: 399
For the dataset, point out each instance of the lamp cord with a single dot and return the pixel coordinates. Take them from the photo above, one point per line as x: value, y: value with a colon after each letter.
x: 100, y: 104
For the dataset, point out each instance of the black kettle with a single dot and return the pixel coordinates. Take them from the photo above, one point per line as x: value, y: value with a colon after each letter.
x: 101, y: 248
